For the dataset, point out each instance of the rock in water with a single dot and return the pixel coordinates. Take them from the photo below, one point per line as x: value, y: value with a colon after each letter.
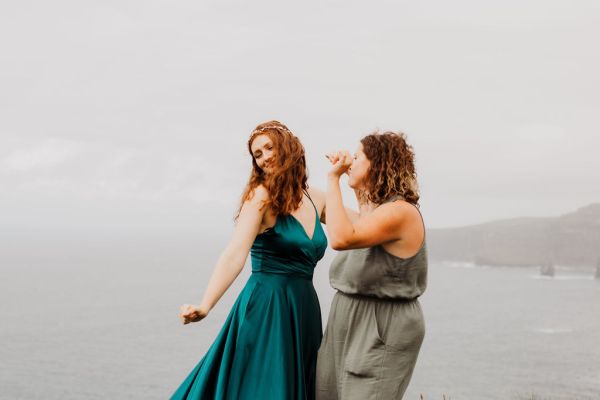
x: 547, y: 270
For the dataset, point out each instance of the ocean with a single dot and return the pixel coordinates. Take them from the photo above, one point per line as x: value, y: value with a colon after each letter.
x: 95, y: 317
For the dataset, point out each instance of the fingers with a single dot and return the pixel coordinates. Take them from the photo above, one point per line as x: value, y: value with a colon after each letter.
x: 335, y: 156
x: 340, y: 162
x: 187, y: 313
x: 344, y: 160
x: 185, y: 309
x: 191, y: 313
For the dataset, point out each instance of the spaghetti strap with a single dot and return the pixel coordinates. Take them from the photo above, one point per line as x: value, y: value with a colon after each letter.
x: 267, y: 347
x: 311, y: 200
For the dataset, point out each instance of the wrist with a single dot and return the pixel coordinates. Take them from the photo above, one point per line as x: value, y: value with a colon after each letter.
x: 332, y: 176
x: 204, y: 308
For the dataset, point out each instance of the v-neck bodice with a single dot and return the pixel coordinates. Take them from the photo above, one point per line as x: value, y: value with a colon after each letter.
x: 267, y: 347
x: 287, y: 249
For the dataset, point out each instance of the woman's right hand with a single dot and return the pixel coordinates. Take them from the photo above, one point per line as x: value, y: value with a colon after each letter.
x: 340, y: 162
x: 191, y: 313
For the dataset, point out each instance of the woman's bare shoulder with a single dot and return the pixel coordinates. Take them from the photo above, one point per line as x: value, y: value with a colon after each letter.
x: 318, y: 198
x: 404, y: 211
x: 316, y: 194
x: 260, y: 194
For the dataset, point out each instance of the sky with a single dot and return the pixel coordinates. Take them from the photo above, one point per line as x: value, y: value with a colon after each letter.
x: 134, y: 115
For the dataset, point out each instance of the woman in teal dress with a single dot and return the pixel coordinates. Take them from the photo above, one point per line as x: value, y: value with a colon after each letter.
x: 267, y: 348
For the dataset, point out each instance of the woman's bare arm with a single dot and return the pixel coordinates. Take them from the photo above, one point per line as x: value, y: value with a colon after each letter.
x: 319, y: 194
x: 232, y: 259
x: 380, y: 226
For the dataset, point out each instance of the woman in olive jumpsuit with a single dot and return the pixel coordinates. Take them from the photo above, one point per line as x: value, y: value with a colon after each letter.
x: 375, y: 326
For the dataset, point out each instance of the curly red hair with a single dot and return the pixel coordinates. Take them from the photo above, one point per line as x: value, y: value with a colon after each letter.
x: 287, y: 182
x: 392, y: 171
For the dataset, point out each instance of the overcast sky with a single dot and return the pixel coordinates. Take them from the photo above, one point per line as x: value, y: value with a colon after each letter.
x: 135, y: 114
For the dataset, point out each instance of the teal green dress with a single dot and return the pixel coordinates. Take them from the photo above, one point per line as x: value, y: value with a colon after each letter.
x: 267, y: 348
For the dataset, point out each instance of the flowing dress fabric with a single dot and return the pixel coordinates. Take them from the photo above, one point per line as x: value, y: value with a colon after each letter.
x: 267, y: 348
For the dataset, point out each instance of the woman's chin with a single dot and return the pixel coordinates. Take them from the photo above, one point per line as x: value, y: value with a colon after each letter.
x: 355, y: 185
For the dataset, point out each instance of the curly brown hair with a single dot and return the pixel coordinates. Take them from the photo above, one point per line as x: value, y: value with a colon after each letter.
x: 392, y: 171
x: 287, y: 181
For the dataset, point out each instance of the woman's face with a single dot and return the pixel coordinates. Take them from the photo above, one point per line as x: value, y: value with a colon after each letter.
x: 262, y: 151
x: 359, y: 169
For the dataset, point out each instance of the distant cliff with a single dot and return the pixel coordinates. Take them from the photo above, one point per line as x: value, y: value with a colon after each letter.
x: 571, y: 239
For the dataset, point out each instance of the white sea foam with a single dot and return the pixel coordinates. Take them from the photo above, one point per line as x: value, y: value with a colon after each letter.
x: 551, y: 331
x: 459, y: 264
x: 563, y: 277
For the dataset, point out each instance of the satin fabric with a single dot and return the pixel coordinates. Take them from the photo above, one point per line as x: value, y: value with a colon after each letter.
x: 267, y: 348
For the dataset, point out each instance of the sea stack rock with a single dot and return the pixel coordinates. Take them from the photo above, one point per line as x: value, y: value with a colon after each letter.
x: 547, y: 270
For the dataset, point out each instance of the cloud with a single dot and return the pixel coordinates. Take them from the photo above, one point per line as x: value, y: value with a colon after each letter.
x: 62, y: 168
x: 47, y: 154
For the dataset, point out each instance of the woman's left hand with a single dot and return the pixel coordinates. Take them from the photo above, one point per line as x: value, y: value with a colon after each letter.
x: 340, y: 162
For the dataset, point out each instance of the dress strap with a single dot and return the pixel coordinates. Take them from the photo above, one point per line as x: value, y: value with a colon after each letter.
x: 311, y: 200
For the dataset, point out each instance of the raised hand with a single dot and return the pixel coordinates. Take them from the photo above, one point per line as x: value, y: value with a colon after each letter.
x: 340, y: 162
